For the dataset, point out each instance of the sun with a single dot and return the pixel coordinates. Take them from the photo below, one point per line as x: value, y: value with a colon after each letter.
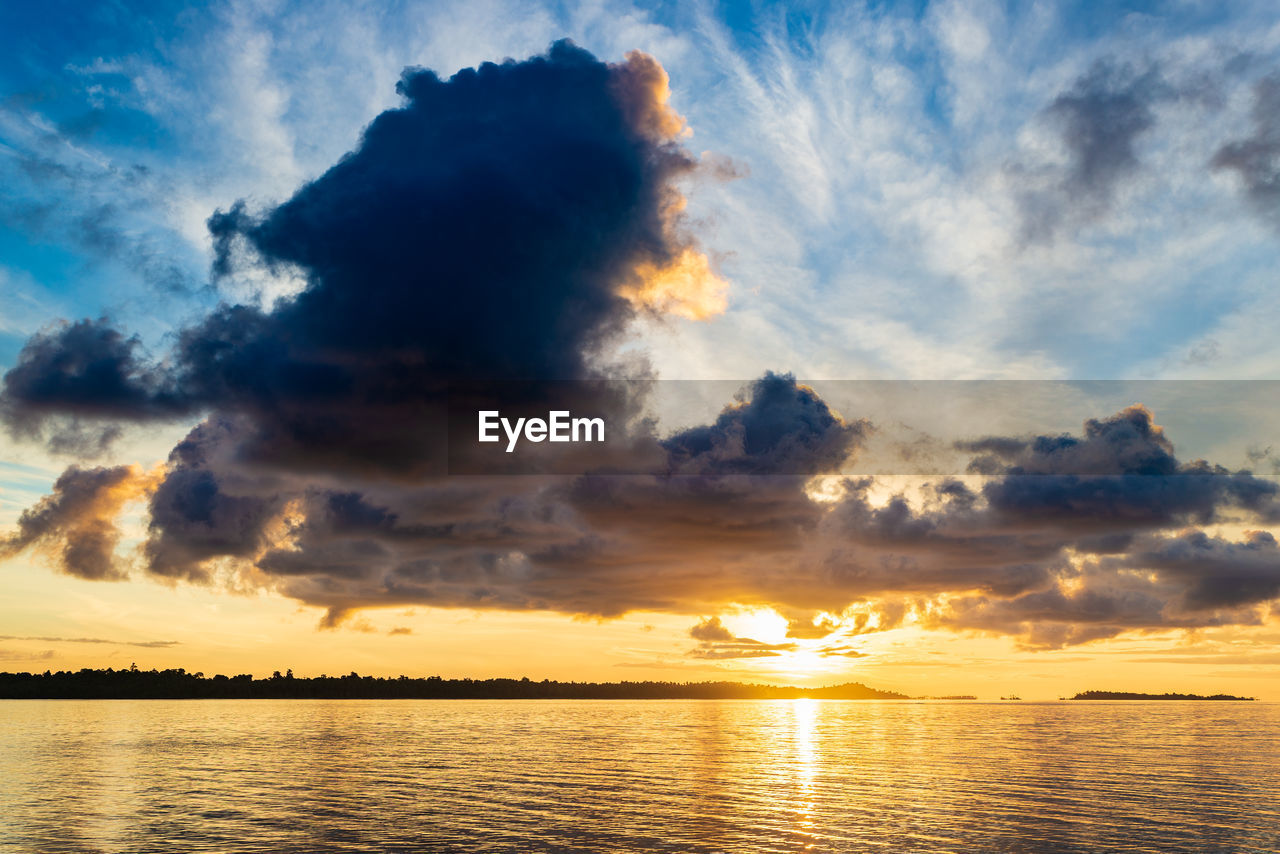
x: 763, y: 624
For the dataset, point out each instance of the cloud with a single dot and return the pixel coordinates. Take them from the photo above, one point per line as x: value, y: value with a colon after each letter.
x: 510, y: 224
x: 84, y: 370
x: 75, y: 438
x: 779, y: 428
x: 19, y: 655
x: 144, y: 644
x: 1055, y: 617
x: 506, y: 223
x: 1121, y: 474
x: 76, y: 522
x: 1098, y: 122
x: 1067, y: 539
x: 105, y: 211
x: 810, y: 629
x: 606, y: 545
x: 1256, y: 158
x: 716, y: 642
x: 841, y: 651
x: 197, y: 515
x: 1097, y: 129
x: 711, y: 630
x: 1214, y: 572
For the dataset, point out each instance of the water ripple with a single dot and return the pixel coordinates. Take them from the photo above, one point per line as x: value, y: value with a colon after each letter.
x: 680, y: 776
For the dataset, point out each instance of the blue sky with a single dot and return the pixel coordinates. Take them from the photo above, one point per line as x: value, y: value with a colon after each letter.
x: 884, y: 154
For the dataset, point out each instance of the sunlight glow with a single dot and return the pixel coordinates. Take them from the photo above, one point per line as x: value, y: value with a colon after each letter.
x: 762, y: 624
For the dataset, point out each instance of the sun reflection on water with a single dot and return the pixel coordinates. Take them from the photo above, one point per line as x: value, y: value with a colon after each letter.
x: 804, y: 716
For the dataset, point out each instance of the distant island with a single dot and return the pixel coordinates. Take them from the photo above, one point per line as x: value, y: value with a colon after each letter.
x: 1129, y: 695
x: 178, y: 684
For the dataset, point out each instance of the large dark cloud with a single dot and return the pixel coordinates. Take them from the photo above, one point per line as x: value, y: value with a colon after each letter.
x: 1048, y: 547
x: 504, y: 224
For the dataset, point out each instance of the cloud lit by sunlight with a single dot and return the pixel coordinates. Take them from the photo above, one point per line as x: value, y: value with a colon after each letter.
x: 686, y: 287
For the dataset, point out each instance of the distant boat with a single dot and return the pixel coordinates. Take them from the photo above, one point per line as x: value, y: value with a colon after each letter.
x: 1011, y: 697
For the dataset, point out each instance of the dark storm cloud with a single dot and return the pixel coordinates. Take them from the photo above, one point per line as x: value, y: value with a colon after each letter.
x: 1256, y: 158
x: 1184, y: 581
x: 780, y: 427
x: 607, y: 545
x: 999, y: 556
x: 85, y: 369
x: 76, y: 522
x: 499, y: 225
x: 1122, y: 473
x: 504, y: 224
x: 597, y: 544
x: 482, y: 228
x: 1126, y: 443
x: 1109, y: 493
x: 194, y: 517
x: 1214, y: 572
x: 204, y: 508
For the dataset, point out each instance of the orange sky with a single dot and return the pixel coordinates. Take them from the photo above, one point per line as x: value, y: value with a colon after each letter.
x: 216, y: 631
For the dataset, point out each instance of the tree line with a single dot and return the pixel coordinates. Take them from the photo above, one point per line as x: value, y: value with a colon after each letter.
x: 135, y: 684
x: 1130, y: 695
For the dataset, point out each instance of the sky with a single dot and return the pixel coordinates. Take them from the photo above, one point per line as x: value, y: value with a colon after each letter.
x: 936, y: 341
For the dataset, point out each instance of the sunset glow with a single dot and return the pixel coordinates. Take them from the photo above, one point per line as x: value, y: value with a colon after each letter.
x: 942, y: 362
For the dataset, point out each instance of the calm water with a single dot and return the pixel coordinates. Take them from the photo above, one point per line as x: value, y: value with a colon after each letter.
x: 314, y: 776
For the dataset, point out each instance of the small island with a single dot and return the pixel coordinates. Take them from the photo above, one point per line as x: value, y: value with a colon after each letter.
x: 178, y: 684
x: 1130, y: 695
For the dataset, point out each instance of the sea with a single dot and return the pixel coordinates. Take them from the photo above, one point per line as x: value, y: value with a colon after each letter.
x: 618, y: 776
